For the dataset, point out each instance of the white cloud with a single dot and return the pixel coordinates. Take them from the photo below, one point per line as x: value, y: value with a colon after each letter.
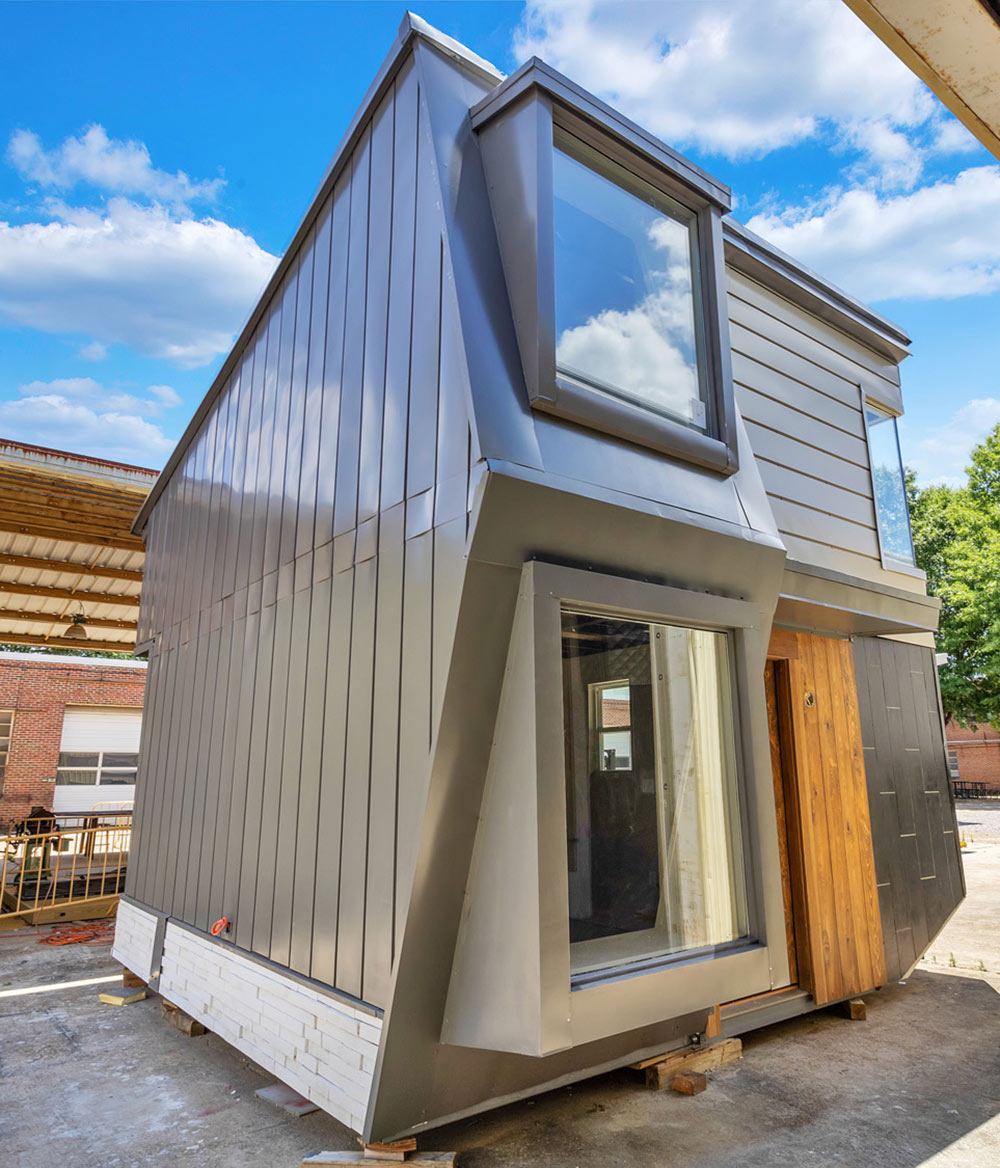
x: 94, y: 351
x: 81, y: 415
x: 165, y: 285
x: 943, y: 455
x: 736, y: 78
x: 109, y: 164
x: 938, y: 242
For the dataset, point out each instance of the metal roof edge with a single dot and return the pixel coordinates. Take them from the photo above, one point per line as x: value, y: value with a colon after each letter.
x: 411, y: 27
x: 762, y: 261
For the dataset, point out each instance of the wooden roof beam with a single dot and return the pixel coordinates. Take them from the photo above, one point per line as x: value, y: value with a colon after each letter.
x: 70, y: 567
x: 84, y: 597
x: 51, y: 618
x: 19, y: 524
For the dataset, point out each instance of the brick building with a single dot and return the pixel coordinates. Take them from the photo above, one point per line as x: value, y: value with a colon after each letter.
x: 974, y: 755
x: 68, y: 731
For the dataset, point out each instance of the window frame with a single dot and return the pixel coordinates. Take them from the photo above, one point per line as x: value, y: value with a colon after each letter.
x: 517, y: 125
x: 99, y: 769
x: 886, y: 559
x: 5, y: 751
x: 688, y: 979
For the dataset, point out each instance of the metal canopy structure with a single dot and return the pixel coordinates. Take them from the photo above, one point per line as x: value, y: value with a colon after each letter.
x: 67, y: 550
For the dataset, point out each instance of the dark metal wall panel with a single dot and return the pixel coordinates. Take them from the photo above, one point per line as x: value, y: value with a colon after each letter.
x: 313, y: 551
x: 913, y: 817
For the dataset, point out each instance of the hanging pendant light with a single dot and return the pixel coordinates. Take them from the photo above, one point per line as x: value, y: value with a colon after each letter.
x: 77, y: 630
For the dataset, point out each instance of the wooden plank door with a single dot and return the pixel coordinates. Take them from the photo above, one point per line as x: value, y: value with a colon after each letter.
x: 838, y: 929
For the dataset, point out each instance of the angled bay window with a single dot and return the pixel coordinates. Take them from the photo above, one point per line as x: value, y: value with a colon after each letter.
x: 612, y: 252
x: 889, y: 489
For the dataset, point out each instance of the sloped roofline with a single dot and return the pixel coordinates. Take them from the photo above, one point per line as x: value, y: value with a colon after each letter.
x: 411, y: 27
x: 746, y: 251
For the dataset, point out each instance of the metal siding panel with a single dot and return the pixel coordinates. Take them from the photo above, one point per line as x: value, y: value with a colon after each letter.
x: 775, y: 415
x: 237, y: 480
x: 376, y: 311
x: 414, y: 713
x: 255, y: 423
x: 156, y: 777
x: 449, y: 570
x: 263, y: 462
x: 267, y: 839
x: 381, y: 878
x: 313, y: 405
x: 221, y: 773
x: 226, y: 498
x: 289, y: 769
x: 297, y: 405
x: 232, y: 873
x: 331, y: 806
x: 333, y: 361
x: 421, y: 446
x: 354, y: 828
x: 345, y: 508
x: 280, y: 434
x: 177, y: 737
x: 779, y: 482
x: 308, y: 843
x: 213, y: 550
x: 819, y: 408
x: 757, y: 357
x: 190, y: 766
x: 205, y: 777
x: 250, y: 851
x: 398, y: 333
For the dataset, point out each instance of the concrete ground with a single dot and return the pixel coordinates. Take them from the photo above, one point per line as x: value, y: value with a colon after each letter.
x: 83, y: 1085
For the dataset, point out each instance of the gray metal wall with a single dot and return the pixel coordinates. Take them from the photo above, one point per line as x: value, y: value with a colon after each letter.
x: 797, y: 387
x: 917, y: 862
x: 304, y: 565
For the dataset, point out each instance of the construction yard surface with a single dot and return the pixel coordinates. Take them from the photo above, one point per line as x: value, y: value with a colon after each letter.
x: 88, y: 1085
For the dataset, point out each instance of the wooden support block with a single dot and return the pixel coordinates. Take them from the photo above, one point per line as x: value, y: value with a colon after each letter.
x: 660, y: 1072
x: 855, y: 1009
x: 181, y: 1021
x: 132, y: 981
x: 395, y: 1150
x: 121, y: 999
x: 713, y: 1028
x: 359, y: 1160
x: 688, y: 1082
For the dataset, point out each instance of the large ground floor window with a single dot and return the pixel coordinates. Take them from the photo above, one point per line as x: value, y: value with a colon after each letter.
x: 654, y: 835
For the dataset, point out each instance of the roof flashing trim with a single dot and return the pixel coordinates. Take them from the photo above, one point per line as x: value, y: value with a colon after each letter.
x: 537, y: 75
x: 762, y: 261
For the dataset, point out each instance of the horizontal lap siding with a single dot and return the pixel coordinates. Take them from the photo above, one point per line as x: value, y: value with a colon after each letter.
x: 799, y: 386
x: 306, y: 562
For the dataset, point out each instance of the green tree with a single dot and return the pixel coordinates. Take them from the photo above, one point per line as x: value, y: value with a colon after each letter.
x: 956, y: 536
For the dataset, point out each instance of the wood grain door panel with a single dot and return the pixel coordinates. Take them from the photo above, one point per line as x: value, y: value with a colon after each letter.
x: 841, y: 951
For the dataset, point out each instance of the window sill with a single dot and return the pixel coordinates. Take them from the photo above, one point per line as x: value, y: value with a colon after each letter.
x: 588, y: 407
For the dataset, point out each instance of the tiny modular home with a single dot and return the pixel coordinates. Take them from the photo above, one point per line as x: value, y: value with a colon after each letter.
x: 539, y: 672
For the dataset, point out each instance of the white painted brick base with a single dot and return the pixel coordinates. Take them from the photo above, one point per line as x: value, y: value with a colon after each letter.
x: 322, y: 1047
x: 135, y: 932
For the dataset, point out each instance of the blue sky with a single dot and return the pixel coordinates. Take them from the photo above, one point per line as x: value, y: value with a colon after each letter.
x: 155, y: 159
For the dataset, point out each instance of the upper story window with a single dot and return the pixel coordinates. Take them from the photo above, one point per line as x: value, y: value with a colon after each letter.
x: 612, y: 253
x: 626, y: 278
x: 889, y: 488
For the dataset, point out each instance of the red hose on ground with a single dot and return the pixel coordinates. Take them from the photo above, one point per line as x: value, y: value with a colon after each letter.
x: 87, y: 933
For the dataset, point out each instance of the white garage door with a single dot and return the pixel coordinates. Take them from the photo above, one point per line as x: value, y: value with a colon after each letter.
x: 98, y: 756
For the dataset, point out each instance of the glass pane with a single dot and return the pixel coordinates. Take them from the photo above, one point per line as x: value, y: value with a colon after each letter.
x: 890, y: 489
x: 76, y: 759
x: 119, y: 760
x: 625, y: 282
x: 76, y: 778
x: 655, y: 851
x: 110, y: 777
x: 616, y: 750
x: 6, y: 718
